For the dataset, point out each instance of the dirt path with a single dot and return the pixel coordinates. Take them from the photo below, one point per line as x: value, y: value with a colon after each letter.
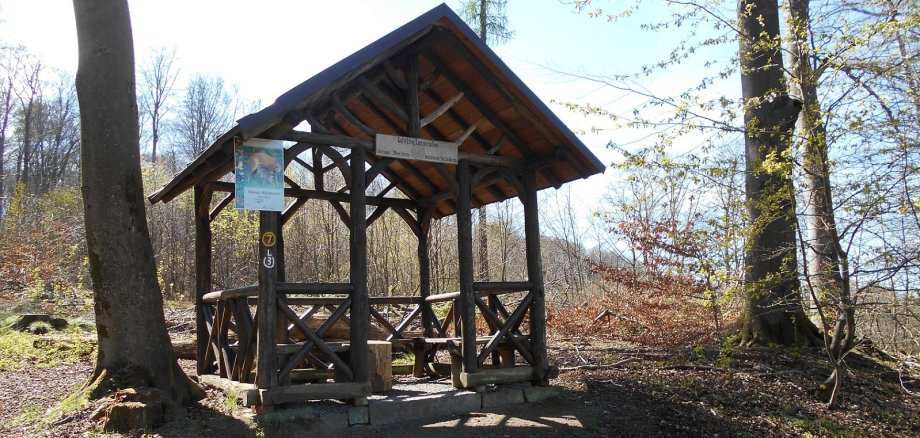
x: 767, y: 392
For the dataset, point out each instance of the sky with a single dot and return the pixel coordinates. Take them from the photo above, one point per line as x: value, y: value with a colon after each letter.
x: 267, y: 47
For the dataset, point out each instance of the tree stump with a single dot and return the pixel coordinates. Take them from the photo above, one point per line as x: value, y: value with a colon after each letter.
x: 380, y: 362
x: 135, y: 409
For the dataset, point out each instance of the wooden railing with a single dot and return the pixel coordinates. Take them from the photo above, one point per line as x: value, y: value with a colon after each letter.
x: 231, y: 351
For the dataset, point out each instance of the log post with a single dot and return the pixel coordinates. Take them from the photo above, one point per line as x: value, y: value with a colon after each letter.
x: 414, y: 124
x: 281, y: 325
x: 424, y: 268
x: 360, y: 305
x: 202, y: 272
x: 267, y: 372
x: 467, y: 301
x: 535, y: 274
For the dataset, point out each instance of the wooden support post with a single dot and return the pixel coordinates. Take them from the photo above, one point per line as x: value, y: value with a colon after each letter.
x: 267, y: 371
x: 535, y: 275
x: 424, y: 268
x: 360, y: 307
x: 466, y: 306
x: 414, y: 124
x: 202, y: 271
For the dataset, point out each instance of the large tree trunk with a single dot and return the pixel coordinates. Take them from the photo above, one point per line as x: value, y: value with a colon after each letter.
x: 134, y: 346
x: 773, y: 307
x: 825, y: 259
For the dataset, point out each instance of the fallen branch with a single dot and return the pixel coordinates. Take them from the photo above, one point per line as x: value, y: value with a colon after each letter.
x: 687, y: 367
x: 595, y: 367
x: 905, y: 367
x: 606, y: 313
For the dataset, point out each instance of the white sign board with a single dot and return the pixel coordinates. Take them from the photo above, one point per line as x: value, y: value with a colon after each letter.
x: 409, y: 148
x: 259, y: 171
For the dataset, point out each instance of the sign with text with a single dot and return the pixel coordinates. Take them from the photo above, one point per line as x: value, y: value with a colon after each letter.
x: 409, y: 148
x: 259, y: 175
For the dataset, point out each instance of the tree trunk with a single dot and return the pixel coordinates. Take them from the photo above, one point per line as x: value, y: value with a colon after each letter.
x: 773, y: 306
x: 822, y: 246
x: 4, y: 125
x: 134, y: 347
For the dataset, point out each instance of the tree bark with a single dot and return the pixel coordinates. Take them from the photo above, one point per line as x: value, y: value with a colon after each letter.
x: 773, y: 306
x: 825, y: 257
x: 134, y: 346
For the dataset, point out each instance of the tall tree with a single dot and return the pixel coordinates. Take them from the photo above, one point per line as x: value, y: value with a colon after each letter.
x: 491, y: 21
x: 489, y: 18
x: 29, y: 96
x: 158, y: 79
x: 134, y: 347
x: 10, y: 62
x: 56, y: 137
x: 205, y: 112
x: 773, y: 305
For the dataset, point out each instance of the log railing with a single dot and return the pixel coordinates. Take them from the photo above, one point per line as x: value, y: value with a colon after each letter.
x: 231, y: 325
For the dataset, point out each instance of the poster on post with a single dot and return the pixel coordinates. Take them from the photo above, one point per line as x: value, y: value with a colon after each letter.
x: 259, y: 175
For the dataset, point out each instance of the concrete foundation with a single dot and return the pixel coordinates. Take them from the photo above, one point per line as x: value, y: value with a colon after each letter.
x: 412, y: 399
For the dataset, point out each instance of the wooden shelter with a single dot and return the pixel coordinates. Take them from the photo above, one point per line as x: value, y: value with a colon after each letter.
x: 432, y: 78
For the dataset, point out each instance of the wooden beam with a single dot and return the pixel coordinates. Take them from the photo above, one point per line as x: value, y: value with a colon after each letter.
x: 429, y: 81
x: 302, y: 163
x: 360, y: 309
x: 351, y: 118
x: 479, y: 104
x: 466, y: 304
x: 504, y: 329
x: 413, y: 124
x: 439, y: 111
x: 469, y: 131
x: 409, y: 220
x: 497, y: 376
x: 375, y: 94
x: 394, y: 76
x: 301, y: 352
x: 535, y: 273
x: 319, y: 391
x: 267, y: 371
x: 292, y: 192
x: 368, y: 144
x: 221, y: 205
x: 448, y: 177
x: 292, y: 209
x: 378, y: 212
x: 315, y: 339
x: 336, y: 158
x: 203, y: 271
x: 492, y: 80
x: 377, y: 168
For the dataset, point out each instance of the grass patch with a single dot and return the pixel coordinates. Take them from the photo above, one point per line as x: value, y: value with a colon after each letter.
x: 404, y: 359
x: 812, y: 427
x: 31, y: 414
x: 21, y: 350
x: 232, y: 401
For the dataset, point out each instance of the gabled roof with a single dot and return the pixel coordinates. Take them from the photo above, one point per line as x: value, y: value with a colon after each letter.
x: 465, y: 92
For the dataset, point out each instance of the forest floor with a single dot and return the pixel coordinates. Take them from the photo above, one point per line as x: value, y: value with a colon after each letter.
x: 608, y: 389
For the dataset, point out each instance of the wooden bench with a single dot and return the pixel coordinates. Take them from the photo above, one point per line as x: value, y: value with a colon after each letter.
x: 379, y: 358
x: 423, y: 346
